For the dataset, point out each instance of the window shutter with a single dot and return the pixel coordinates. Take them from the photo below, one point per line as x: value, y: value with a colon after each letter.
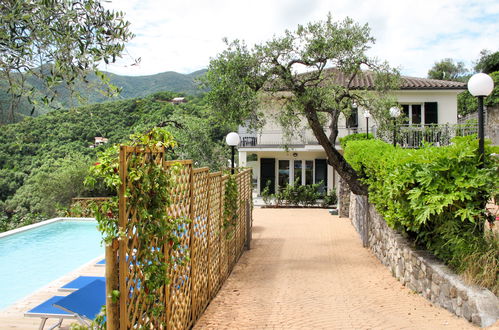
x: 431, y: 112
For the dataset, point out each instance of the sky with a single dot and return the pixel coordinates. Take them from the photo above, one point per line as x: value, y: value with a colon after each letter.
x: 182, y: 36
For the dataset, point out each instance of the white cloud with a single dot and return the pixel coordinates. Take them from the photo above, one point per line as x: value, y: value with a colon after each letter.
x: 182, y: 35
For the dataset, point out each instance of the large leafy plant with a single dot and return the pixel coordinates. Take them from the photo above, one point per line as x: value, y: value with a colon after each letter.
x: 436, y: 195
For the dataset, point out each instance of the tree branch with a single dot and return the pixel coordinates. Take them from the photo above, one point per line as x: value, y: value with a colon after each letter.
x: 334, y: 158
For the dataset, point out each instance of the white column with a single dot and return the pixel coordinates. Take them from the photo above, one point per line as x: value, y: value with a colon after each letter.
x: 242, y: 159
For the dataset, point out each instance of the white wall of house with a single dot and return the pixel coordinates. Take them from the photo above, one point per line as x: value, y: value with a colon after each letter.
x: 271, y: 137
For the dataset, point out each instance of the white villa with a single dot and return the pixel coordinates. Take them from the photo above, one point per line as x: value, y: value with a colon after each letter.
x: 274, y: 160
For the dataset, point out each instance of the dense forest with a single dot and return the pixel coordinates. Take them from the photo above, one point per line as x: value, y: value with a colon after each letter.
x: 44, y: 160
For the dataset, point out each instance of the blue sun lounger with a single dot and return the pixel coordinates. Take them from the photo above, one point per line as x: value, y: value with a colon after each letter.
x: 83, y: 305
x: 46, y: 310
x: 80, y: 282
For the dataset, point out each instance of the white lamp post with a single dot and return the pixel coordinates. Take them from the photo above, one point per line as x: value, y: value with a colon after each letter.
x: 394, y: 113
x: 232, y: 139
x: 367, y: 114
x: 480, y: 85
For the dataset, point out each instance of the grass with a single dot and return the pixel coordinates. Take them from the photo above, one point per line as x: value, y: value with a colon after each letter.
x: 482, y: 266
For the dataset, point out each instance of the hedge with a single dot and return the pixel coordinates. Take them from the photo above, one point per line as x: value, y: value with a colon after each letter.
x: 435, y: 195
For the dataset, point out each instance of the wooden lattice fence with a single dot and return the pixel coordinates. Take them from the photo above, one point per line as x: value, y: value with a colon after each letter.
x: 208, y: 250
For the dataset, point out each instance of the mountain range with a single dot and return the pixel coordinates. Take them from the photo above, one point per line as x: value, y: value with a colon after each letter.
x: 131, y: 87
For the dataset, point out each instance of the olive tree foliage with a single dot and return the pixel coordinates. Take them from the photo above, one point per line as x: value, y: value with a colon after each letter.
x: 295, y: 73
x: 447, y: 69
x: 55, y: 43
x: 488, y: 62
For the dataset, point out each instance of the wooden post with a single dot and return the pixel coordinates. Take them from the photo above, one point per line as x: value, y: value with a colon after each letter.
x: 248, y: 225
x: 112, y: 307
x: 123, y: 266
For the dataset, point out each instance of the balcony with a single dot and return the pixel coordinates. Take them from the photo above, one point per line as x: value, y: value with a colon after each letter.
x: 276, y: 138
x: 409, y: 136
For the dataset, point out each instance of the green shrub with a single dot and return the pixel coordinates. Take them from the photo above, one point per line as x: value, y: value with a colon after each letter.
x: 293, y: 195
x: 436, y: 195
x: 354, y: 137
x: 266, y: 195
x: 330, y: 199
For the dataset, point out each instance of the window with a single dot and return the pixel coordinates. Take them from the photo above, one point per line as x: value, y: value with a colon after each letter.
x: 283, y: 173
x: 252, y: 158
x: 431, y: 112
x: 405, y: 110
x: 419, y: 114
x: 353, y: 119
x: 297, y: 172
x: 413, y: 113
x: 416, y: 114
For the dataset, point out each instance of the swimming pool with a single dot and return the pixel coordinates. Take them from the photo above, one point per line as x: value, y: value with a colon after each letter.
x: 33, y: 258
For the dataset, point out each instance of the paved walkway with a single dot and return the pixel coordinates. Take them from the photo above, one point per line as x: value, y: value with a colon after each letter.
x: 308, y: 270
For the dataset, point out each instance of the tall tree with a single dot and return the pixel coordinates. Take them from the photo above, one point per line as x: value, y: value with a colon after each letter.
x: 56, y: 41
x: 488, y: 62
x: 447, y: 69
x: 243, y: 80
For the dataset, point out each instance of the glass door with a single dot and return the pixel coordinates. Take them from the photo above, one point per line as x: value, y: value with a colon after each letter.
x: 283, y: 173
x: 309, y: 172
x: 297, y: 174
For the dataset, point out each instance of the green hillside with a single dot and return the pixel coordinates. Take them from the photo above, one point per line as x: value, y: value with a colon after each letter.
x: 131, y: 87
x: 43, y: 160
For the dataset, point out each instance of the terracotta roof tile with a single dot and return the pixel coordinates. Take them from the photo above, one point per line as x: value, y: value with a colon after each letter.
x: 366, y: 81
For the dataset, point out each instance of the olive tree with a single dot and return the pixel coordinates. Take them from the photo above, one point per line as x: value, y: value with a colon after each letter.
x: 447, y: 69
x: 50, y: 43
x: 312, y: 75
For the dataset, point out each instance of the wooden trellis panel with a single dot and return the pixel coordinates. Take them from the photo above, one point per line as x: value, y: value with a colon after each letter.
x: 179, y: 291
x: 206, y: 255
x: 131, y: 279
x: 199, y: 239
x: 224, y: 241
x: 214, y: 233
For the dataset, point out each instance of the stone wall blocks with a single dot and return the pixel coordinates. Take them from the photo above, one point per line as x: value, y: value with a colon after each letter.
x: 422, y: 272
x: 467, y: 312
x: 436, y: 278
x: 453, y: 292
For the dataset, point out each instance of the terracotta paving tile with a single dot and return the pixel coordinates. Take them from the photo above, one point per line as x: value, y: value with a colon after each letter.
x: 307, y: 269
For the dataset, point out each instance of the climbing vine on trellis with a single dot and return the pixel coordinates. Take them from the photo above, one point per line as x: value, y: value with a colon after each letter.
x: 149, y: 195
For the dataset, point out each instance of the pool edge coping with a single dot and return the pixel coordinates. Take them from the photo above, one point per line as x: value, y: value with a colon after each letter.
x: 42, y: 223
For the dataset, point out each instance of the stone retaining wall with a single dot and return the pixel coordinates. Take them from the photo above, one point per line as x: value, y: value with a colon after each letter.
x: 419, y: 270
x: 343, y: 198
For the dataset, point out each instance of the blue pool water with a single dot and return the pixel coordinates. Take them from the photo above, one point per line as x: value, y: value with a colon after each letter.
x: 33, y: 258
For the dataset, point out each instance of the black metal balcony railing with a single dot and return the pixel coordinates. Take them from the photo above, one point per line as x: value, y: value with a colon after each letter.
x: 408, y: 136
x: 276, y: 138
x: 273, y: 138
